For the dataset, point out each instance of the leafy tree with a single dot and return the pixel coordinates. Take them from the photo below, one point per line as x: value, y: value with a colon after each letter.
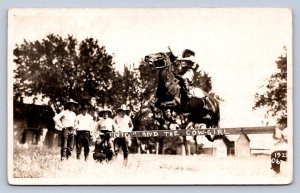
x: 60, y: 69
x: 96, y: 73
x: 275, y: 96
x: 136, y: 88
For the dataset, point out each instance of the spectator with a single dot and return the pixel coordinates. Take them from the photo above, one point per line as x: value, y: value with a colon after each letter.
x: 84, y: 123
x: 65, y: 121
x: 124, y: 124
x: 104, y: 126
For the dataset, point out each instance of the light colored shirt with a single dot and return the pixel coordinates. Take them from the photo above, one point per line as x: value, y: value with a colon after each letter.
x: 64, y: 119
x: 124, y: 123
x: 189, y: 74
x: 84, y: 122
x: 107, y: 124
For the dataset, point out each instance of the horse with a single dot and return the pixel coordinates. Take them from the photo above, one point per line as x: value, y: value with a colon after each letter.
x: 200, y: 108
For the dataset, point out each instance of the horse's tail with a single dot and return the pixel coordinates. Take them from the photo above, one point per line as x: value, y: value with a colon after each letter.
x: 217, y: 117
x: 214, y: 105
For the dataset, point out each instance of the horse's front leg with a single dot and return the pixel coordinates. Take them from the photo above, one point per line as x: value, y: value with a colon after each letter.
x: 172, y: 103
x: 196, y: 145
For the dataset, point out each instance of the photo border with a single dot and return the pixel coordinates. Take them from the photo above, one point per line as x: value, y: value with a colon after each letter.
x: 28, y: 3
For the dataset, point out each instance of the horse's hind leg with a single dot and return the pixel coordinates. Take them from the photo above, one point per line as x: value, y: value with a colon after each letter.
x: 210, y: 138
x: 196, y: 145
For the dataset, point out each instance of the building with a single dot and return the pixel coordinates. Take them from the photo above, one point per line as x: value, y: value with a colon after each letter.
x: 261, y: 144
x: 238, y: 145
x: 233, y: 145
x: 32, y: 122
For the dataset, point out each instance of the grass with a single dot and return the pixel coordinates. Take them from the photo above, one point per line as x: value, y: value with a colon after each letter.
x: 43, y: 166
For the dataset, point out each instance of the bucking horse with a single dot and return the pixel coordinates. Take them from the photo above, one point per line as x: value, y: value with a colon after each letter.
x: 201, y: 107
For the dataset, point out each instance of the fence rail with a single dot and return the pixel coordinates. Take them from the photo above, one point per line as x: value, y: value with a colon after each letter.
x: 195, y: 132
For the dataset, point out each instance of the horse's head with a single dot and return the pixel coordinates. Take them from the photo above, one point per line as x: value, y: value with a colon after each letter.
x: 157, y: 60
x: 160, y: 60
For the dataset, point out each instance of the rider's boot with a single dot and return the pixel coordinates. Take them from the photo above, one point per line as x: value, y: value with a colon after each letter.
x: 177, y: 100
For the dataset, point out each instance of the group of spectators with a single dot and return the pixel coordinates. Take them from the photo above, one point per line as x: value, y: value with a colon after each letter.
x: 81, y: 128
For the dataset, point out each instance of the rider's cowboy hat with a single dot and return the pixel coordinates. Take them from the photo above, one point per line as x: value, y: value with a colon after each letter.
x: 123, y: 108
x: 187, y: 62
x: 188, y: 51
x: 103, y: 110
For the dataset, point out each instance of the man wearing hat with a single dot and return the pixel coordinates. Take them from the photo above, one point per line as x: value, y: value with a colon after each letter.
x: 124, y: 123
x: 104, y: 126
x: 84, y: 123
x: 65, y: 121
x: 186, y: 71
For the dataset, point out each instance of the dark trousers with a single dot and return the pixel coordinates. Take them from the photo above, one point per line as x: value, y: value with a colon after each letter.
x: 105, y: 138
x: 67, y: 142
x: 276, y: 158
x: 122, y: 143
x: 83, y: 140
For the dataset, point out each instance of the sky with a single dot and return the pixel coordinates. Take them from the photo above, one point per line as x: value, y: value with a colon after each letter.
x: 237, y: 47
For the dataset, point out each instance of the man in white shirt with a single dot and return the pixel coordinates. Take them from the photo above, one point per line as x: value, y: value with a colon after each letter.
x: 84, y: 123
x: 124, y: 124
x: 65, y: 121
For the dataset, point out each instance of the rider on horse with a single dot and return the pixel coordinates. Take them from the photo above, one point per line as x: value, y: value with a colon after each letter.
x: 185, y: 75
x: 175, y: 90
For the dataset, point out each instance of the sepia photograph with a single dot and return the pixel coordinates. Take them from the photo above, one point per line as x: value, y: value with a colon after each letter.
x: 150, y: 96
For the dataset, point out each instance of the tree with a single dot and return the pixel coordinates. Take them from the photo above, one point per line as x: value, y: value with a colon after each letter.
x: 96, y: 73
x: 135, y: 88
x: 275, y: 96
x: 60, y: 69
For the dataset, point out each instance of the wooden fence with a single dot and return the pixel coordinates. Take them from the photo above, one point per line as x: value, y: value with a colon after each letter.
x: 195, y: 132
